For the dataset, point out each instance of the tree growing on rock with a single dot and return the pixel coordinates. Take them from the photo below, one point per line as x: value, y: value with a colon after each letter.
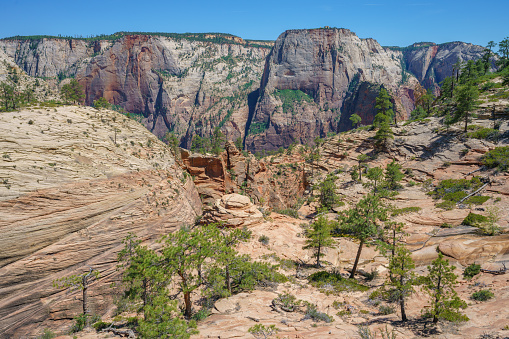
x: 399, y: 285
x: 79, y: 282
x: 363, y: 222
x: 102, y: 103
x: 173, y: 142
x: 383, y: 107
x: 439, y: 284
x: 393, y: 175
x: 328, y: 196
x: 319, y: 237
x: 72, y: 92
x: 356, y: 120
x: 466, y: 96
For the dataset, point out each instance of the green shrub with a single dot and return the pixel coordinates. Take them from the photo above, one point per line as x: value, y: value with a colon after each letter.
x: 287, y: 302
x: 290, y: 97
x: 80, y: 322
x: 101, y: 325
x: 405, y: 210
x: 312, y: 313
x: 471, y: 271
x: 446, y: 225
x: 334, y: 282
x: 485, y: 133
x: 201, y: 314
x: 264, y: 239
x: 497, y: 158
x: 446, y: 205
x: 291, y: 212
x: 474, y: 219
x: 477, y: 200
x: 386, y: 310
x: 482, y: 295
x: 47, y: 334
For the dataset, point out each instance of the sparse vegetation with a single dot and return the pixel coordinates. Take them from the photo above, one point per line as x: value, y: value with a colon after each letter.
x: 471, y: 271
x: 482, y: 295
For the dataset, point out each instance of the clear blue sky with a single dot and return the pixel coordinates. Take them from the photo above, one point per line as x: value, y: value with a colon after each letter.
x: 391, y: 22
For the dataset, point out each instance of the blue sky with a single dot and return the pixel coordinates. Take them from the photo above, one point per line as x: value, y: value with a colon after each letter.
x: 391, y: 22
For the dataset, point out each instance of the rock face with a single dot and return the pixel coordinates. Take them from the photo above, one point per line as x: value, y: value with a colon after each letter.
x: 431, y: 63
x: 233, y: 172
x: 313, y: 80
x: 182, y: 83
x: 327, y: 66
x: 233, y: 210
x: 71, y: 190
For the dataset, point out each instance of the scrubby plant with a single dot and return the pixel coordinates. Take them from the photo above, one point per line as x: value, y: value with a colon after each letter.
x: 260, y: 331
x: 312, y: 313
x: 474, y: 219
x: 386, y: 309
x: 264, y: 239
x: 482, y: 295
x: 497, y: 158
x: 471, y: 271
x: 287, y: 302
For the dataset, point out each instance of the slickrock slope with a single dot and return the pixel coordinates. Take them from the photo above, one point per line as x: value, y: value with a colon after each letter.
x: 68, y: 196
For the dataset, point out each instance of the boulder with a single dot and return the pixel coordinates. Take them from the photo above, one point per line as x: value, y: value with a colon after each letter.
x: 233, y: 210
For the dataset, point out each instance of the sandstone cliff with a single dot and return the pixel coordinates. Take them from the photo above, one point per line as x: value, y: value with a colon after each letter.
x: 74, y: 182
x: 182, y: 83
x: 431, y: 63
x: 325, y: 67
x: 310, y: 84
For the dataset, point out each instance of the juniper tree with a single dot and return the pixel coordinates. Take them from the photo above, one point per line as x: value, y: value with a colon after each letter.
x: 439, y: 284
x: 72, y: 92
x: 319, y: 237
x: 384, y: 105
x: 466, y: 96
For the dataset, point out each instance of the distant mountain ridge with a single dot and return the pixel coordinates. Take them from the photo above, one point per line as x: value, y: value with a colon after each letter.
x: 191, y: 83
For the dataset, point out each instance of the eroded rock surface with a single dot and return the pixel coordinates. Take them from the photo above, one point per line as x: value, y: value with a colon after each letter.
x: 72, y: 189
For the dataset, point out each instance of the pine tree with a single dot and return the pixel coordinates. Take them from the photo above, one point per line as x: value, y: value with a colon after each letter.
x: 173, y: 142
x: 328, y: 196
x: 393, y: 175
x: 439, y: 284
x: 356, y: 120
x: 319, y: 236
x: 466, y: 96
x: 184, y: 253
x: 383, y: 135
x: 80, y: 282
x: 72, y: 92
x: 384, y: 105
x: 362, y: 222
x: 362, y: 159
x: 399, y: 285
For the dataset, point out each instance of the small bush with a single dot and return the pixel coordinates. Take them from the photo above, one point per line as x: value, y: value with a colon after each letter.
x: 291, y: 212
x: 47, y: 334
x: 260, y: 331
x: 101, y: 325
x: 471, y: 271
x: 485, y: 133
x: 264, y: 239
x: 287, y: 302
x: 30, y: 122
x: 201, y: 314
x: 334, y: 282
x: 446, y: 205
x: 446, y: 225
x: 405, y: 210
x: 497, y: 158
x: 80, y: 322
x: 482, y: 295
x: 386, y: 310
x: 312, y: 313
x: 474, y: 219
x: 477, y: 200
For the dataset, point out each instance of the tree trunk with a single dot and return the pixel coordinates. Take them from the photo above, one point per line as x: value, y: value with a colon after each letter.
x: 227, y: 279
x: 187, y: 302
x: 437, y: 299
x: 145, y: 286
x: 85, y: 309
x: 402, y: 305
x: 466, y: 122
x: 354, y: 269
x: 318, y: 256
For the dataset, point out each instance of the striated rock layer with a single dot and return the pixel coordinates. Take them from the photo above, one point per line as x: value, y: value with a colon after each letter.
x: 72, y: 189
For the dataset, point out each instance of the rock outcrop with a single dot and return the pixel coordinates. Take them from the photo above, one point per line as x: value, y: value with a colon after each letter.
x: 322, y: 67
x: 313, y: 80
x: 233, y: 210
x: 74, y: 182
x: 431, y: 63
